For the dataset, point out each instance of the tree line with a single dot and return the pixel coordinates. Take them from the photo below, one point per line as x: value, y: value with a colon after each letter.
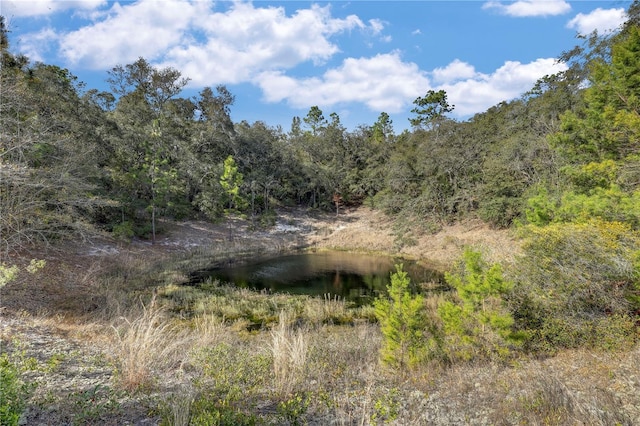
x: 73, y: 158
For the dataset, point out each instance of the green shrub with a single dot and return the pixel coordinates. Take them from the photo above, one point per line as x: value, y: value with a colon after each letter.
x: 577, y: 284
x: 477, y: 322
x: 14, y: 392
x: 232, y: 379
x: 124, y: 230
x: 402, y: 322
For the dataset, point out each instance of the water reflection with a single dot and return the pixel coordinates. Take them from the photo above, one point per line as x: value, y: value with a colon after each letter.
x: 352, y: 276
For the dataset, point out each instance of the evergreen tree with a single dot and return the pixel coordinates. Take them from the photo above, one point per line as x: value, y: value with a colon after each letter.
x: 402, y: 322
x: 231, y: 181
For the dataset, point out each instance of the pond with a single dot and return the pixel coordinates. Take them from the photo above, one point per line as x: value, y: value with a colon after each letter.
x: 354, y: 277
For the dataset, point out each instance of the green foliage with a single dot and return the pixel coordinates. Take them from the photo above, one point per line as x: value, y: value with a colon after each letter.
x: 593, y: 175
x: 598, y: 142
x: 14, y: 392
x: 477, y: 323
x: 92, y: 404
x: 430, y: 109
x: 231, y: 378
x: 386, y: 408
x: 293, y: 409
x: 577, y: 283
x: 402, y: 322
x: 609, y: 204
x: 231, y: 180
x: 124, y: 230
x: 7, y: 274
x: 206, y: 412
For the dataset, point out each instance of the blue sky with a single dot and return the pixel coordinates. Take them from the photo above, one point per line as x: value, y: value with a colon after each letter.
x: 355, y: 58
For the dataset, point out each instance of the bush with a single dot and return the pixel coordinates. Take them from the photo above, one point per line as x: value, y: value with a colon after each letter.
x: 477, y: 322
x: 576, y: 280
x: 14, y: 393
x: 402, y: 322
x: 124, y: 231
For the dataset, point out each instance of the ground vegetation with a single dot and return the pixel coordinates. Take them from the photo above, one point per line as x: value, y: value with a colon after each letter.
x: 109, y: 200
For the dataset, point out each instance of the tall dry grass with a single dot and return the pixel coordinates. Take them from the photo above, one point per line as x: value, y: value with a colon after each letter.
x: 289, y: 347
x: 148, y: 344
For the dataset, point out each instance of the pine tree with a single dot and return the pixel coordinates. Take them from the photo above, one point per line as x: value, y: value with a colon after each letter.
x: 402, y: 322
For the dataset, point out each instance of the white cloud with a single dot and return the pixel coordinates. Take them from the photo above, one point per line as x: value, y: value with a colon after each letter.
x: 37, y: 44
x: 128, y: 32
x: 382, y: 83
x: 524, y: 8
x: 376, y: 25
x: 45, y: 7
x: 246, y: 40
x: 602, y: 20
x: 245, y: 43
x: 511, y: 80
x: 456, y: 70
x: 386, y: 83
x: 208, y: 46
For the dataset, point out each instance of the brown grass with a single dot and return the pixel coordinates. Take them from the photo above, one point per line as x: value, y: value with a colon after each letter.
x: 147, y: 344
x: 289, y: 348
x: 107, y: 302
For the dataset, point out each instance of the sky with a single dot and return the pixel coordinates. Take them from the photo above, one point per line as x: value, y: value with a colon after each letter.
x: 354, y: 58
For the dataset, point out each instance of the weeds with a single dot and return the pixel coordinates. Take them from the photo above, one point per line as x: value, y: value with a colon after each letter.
x: 89, y: 405
x: 14, y: 391
x: 289, y: 350
x: 145, y: 344
x: 293, y: 409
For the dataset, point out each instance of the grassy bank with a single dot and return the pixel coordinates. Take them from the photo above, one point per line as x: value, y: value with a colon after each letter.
x: 129, y: 342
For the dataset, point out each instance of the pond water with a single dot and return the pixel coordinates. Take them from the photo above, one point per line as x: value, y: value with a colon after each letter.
x: 351, y: 276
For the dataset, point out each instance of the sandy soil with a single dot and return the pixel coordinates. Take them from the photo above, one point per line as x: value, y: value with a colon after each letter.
x: 360, y: 229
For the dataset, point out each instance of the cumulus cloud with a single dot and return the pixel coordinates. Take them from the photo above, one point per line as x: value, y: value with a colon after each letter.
x: 37, y: 44
x: 128, y: 32
x: 601, y: 20
x: 209, y: 46
x: 245, y: 41
x: 524, y: 8
x: 46, y: 7
x: 386, y: 83
x: 376, y: 26
x: 265, y: 46
x: 511, y: 80
x: 455, y: 71
x: 383, y: 83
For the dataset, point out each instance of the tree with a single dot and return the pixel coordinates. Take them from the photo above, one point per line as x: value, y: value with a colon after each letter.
x: 599, y: 141
x: 577, y: 285
x: 159, y: 173
x: 49, y: 156
x: 478, y: 322
x: 212, y: 140
x: 150, y: 138
x: 431, y: 109
x: 383, y: 128
x: 402, y: 323
x: 315, y: 120
x: 231, y: 181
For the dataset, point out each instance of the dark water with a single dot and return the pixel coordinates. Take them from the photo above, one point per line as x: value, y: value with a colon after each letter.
x: 351, y: 276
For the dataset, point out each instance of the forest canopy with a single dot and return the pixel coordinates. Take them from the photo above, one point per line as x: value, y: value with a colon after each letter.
x: 73, y: 159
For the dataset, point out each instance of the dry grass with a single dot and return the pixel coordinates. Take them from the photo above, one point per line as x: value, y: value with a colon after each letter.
x: 147, y: 344
x: 289, y: 346
x: 335, y: 366
x: 179, y: 405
